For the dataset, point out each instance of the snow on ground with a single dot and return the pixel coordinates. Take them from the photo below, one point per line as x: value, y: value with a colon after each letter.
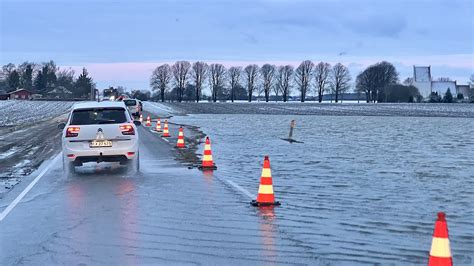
x: 14, y: 113
x: 28, y: 135
x: 346, y: 109
x: 157, y: 108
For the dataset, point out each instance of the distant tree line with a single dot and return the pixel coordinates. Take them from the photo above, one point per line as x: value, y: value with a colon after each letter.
x: 184, y: 81
x: 46, y: 79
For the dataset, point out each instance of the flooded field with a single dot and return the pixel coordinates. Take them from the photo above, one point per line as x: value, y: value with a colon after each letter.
x: 359, y: 189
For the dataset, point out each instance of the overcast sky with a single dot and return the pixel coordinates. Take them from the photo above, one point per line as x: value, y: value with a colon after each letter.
x: 120, y: 42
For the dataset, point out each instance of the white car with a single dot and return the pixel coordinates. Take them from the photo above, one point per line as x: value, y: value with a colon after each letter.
x: 100, y: 132
x: 134, y: 106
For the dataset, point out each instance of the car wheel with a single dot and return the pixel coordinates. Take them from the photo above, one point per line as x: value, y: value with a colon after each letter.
x: 134, y: 164
x: 68, y: 167
x: 137, y: 163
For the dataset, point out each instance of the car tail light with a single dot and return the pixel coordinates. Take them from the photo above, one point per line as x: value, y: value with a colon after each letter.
x: 72, y: 132
x: 127, y: 130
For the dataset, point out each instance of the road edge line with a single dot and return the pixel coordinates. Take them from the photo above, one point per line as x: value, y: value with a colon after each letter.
x: 239, y: 188
x: 17, y: 200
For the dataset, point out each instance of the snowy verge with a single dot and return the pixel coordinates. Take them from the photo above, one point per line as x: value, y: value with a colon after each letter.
x: 15, y: 113
x: 346, y: 109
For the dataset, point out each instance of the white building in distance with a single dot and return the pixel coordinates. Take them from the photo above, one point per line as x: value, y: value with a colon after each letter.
x: 426, y: 85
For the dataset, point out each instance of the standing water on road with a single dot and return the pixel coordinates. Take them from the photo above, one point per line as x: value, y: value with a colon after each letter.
x: 359, y: 189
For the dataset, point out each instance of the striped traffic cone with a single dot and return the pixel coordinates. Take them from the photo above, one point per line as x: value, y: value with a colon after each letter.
x: 440, y: 254
x: 166, y: 133
x: 158, y: 125
x: 180, y: 143
x: 141, y: 118
x: 207, y: 162
x: 265, y: 196
x: 148, y: 121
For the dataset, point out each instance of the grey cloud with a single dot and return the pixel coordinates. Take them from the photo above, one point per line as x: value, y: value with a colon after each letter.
x: 377, y: 26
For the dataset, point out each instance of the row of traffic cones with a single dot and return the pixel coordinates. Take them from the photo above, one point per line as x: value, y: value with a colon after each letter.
x: 207, y: 162
x: 165, y: 131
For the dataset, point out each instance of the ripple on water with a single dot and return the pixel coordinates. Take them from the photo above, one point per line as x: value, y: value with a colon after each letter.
x: 359, y: 189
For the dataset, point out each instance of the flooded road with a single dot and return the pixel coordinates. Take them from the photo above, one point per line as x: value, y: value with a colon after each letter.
x: 165, y: 214
x: 359, y: 189
x: 356, y: 192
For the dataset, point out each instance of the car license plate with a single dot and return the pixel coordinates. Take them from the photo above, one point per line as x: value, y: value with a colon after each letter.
x: 100, y: 143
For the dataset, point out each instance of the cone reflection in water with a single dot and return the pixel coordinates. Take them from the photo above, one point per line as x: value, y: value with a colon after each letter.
x: 180, y: 143
x: 166, y: 133
x: 440, y: 253
x: 265, y: 197
x: 267, y: 230
x: 158, y: 125
x: 207, y: 161
x: 208, y: 175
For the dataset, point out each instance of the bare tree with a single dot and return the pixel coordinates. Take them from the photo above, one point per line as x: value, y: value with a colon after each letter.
x: 321, y: 78
x: 160, y: 79
x: 340, y: 78
x: 285, y: 74
x: 375, y: 78
x: 251, y: 74
x: 303, y: 77
x: 234, y: 79
x: 217, y: 79
x: 199, y: 74
x: 268, y: 75
x: 408, y: 81
x: 180, y: 71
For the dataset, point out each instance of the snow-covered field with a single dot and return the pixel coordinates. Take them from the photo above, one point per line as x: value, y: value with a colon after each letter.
x: 14, y: 113
x: 311, y: 108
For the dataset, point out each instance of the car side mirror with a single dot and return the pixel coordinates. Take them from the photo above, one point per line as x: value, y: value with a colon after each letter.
x: 136, y: 122
x: 62, y: 126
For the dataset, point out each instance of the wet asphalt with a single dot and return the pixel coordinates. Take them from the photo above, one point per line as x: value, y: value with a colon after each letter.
x: 163, y: 214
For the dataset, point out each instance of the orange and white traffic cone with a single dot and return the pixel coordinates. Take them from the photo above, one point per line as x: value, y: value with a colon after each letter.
x: 207, y: 162
x: 158, y: 125
x: 265, y: 197
x: 141, y: 118
x: 440, y: 254
x: 180, y: 143
x: 166, y: 133
x: 148, y: 121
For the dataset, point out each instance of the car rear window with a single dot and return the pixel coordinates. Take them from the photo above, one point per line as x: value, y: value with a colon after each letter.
x: 96, y: 116
x: 130, y: 102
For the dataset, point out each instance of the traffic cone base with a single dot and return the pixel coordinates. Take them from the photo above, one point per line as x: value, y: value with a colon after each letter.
x: 263, y: 204
x: 207, y: 167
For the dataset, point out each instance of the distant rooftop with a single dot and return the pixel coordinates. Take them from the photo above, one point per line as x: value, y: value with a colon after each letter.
x: 422, y: 73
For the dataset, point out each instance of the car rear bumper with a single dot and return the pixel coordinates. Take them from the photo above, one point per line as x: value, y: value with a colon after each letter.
x: 101, y: 158
x: 80, y: 152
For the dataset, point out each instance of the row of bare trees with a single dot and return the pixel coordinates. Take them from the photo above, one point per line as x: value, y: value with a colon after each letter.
x: 280, y: 80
